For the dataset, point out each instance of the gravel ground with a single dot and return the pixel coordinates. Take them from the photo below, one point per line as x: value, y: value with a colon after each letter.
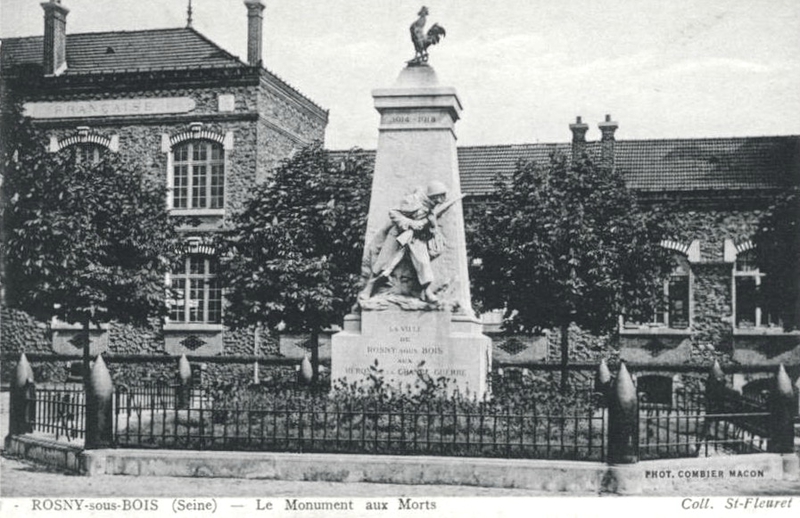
x: 21, y: 479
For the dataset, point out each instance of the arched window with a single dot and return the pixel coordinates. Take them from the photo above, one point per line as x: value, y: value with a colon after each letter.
x: 196, y: 291
x: 84, y: 145
x: 85, y: 152
x: 198, y: 175
x: 675, y: 308
x: 677, y: 292
x: 747, y: 278
x: 91, y: 153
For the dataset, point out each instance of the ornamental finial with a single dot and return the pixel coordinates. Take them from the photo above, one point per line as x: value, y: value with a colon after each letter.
x: 423, y: 40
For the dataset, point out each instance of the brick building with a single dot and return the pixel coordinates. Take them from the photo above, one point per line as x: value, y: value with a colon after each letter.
x: 204, y: 122
x: 721, y: 188
x: 210, y: 125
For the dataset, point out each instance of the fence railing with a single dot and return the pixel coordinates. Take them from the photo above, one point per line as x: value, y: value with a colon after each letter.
x: 613, y: 423
x: 155, y: 394
x: 446, y: 428
x: 693, y: 426
x: 60, y: 411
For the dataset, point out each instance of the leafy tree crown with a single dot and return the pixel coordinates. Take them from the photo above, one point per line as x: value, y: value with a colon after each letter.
x: 567, y: 242
x: 84, y: 241
x: 294, y: 252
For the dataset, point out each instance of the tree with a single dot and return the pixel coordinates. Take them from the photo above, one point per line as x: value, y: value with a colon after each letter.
x: 567, y: 243
x: 293, y: 256
x: 87, y: 242
x: 777, y: 245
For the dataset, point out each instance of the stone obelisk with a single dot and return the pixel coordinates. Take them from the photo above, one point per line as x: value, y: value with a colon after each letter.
x: 415, y: 312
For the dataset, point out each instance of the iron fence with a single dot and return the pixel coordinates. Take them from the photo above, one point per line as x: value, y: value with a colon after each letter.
x: 157, y: 415
x: 151, y: 394
x: 59, y: 411
x: 318, y: 425
x: 695, y: 425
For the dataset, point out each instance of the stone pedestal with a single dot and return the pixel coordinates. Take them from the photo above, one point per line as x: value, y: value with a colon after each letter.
x: 416, y: 146
x: 408, y: 343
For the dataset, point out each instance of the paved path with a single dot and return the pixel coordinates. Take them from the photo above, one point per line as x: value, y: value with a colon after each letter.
x: 27, y: 480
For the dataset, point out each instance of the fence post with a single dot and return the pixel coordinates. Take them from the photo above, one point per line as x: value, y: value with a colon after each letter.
x: 306, y: 373
x: 602, y: 382
x: 715, y: 384
x: 21, y: 411
x: 623, y: 420
x: 623, y: 475
x: 99, y: 407
x: 781, y: 414
x: 797, y: 391
x: 783, y: 411
x: 184, y: 382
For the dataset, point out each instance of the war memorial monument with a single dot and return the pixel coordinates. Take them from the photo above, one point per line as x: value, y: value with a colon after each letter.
x: 414, y: 314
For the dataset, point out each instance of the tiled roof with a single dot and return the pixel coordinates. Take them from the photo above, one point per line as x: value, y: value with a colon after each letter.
x: 708, y: 164
x: 133, y: 51
x: 96, y: 52
x: 480, y: 165
x: 672, y: 165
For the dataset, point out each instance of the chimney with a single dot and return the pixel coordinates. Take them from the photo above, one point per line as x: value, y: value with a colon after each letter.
x: 54, y: 59
x: 607, y: 140
x: 255, y: 23
x: 578, y: 130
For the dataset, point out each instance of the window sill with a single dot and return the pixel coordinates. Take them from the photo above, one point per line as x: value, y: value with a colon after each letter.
x: 177, y: 327
x: 763, y: 331
x: 197, y: 212
x: 654, y: 331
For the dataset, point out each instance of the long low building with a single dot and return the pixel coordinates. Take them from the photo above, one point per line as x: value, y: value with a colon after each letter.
x: 721, y: 188
x: 210, y: 126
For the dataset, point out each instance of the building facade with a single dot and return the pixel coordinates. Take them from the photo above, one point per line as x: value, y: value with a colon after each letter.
x: 206, y: 124
x: 719, y: 189
x: 210, y: 126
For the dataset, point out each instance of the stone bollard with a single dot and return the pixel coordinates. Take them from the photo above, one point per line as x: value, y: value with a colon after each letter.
x: 602, y: 382
x: 782, y: 414
x: 797, y: 392
x: 715, y: 387
x: 715, y: 384
x: 22, y: 403
x: 623, y: 420
x: 184, y: 383
x: 99, y: 407
x: 624, y: 475
x: 306, y: 373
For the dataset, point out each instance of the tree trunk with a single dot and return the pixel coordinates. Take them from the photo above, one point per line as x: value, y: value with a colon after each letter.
x: 314, y: 357
x: 256, y: 352
x: 564, y: 358
x: 86, y: 343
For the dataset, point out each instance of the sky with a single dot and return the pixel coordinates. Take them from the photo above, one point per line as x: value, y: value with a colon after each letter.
x: 523, y: 69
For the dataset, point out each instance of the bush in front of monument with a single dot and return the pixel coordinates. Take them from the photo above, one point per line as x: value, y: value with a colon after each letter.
x: 376, y: 416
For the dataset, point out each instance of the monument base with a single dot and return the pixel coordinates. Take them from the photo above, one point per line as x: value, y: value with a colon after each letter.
x: 406, y: 344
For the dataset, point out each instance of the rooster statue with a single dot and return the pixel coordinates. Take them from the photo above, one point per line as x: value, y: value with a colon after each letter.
x: 422, y: 40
